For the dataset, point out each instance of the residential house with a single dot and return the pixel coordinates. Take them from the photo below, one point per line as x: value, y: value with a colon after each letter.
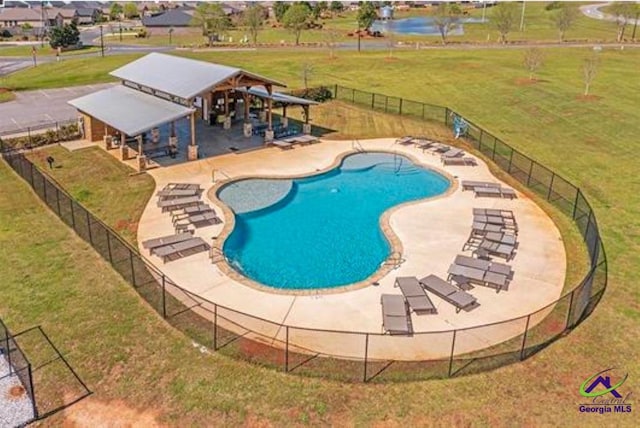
x: 19, y: 16
x: 88, y: 16
x: 170, y: 18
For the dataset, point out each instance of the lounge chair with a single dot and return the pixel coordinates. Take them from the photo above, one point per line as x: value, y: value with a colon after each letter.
x: 507, y: 214
x: 463, y: 161
x: 152, y: 244
x: 183, y: 186
x: 192, y: 210
x: 395, y: 315
x: 473, y: 274
x: 415, y: 295
x: 508, y: 193
x: 471, y: 185
x: 405, y: 141
x: 166, y: 194
x: 181, y: 249
x: 481, y: 228
x: 501, y: 238
x: 179, y: 203
x: 487, y: 191
x: 490, y: 219
x: 472, y: 262
x: 448, y: 292
x: 306, y: 139
x: 196, y: 220
x: 282, y: 144
x: 496, y: 249
x: 453, y: 153
x: 480, y: 273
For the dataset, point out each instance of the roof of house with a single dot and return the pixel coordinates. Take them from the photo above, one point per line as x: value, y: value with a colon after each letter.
x: 19, y: 14
x: 52, y: 12
x: 87, y: 11
x: 278, y: 97
x: 182, y: 77
x: 169, y: 18
x: 128, y: 110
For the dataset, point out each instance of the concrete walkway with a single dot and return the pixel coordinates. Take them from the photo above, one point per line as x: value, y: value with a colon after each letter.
x: 432, y: 233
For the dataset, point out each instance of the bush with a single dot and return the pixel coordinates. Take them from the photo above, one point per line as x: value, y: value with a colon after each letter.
x: 6, y: 34
x: 553, y: 5
x: 320, y: 94
x: 50, y: 136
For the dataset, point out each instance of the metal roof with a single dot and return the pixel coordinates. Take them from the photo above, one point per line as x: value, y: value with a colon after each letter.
x: 129, y: 111
x: 278, y: 96
x: 178, y: 76
x: 170, y: 18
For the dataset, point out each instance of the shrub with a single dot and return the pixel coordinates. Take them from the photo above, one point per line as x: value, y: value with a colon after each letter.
x: 6, y: 34
x: 553, y: 5
x: 319, y: 94
x: 50, y: 136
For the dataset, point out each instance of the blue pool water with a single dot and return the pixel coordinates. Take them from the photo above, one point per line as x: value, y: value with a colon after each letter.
x: 325, y: 232
x: 421, y: 25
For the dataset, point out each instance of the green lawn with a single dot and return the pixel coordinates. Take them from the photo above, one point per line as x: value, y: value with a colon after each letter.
x: 100, y: 322
x: 6, y: 96
x: 42, y: 51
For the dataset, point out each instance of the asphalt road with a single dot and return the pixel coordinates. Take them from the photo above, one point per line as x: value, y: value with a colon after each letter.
x: 38, y: 108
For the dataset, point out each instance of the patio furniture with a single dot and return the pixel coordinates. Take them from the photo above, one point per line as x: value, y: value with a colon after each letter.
x: 415, y: 295
x: 282, y: 144
x: 196, y: 220
x: 405, y: 141
x: 472, y: 262
x: 152, y: 244
x: 503, y: 222
x: 501, y: 268
x: 473, y: 274
x: 166, y: 194
x: 471, y: 185
x: 396, y: 319
x: 448, y: 292
x: 182, y: 186
x: 468, y: 269
x: 179, y: 203
x: 423, y: 143
x: 440, y: 148
x: 181, y: 249
x: 306, y: 139
x: 453, y: 153
x: 487, y: 191
x: 501, y: 237
x: 463, y: 161
x: 507, y: 214
x: 192, y: 210
x: 508, y: 193
x: 481, y: 228
x: 496, y: 249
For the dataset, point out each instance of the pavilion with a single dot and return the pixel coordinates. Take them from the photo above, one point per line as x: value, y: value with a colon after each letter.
x: 160, y: 89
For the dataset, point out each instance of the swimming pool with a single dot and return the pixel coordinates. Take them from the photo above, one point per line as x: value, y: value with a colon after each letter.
x: 321, y: 231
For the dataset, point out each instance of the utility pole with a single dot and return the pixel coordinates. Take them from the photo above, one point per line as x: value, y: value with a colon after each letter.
x: 101, y: 42
x: 524, y: 3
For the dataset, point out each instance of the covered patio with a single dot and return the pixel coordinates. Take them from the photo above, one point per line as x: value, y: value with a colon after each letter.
x: 169, y: 109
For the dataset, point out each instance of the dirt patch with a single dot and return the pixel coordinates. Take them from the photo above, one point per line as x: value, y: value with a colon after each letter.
x: 525, y: 81
x: 391, y: 59
x: 94, y: 413
x: 588, y: 98
x: 16, y: 392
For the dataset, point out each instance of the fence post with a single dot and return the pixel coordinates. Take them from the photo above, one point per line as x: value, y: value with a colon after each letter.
x: 366, y: 355
x: 109, y: 247
x: 524, y: 337
x: 44, y: 187
x: 29, y: 134
x: 335, y: 92
x: 575, y: 204
x: 453, y: 345
x: 89, y: 227
x: 133, y: 271
x: 400, y: 107
x: 373, y: 100
x: 569, y: 311
x: 353, y: 96
x: 553, y: 175
x: 58, y: 201
x: 31, y: 174
x: 8, y: 351
x: 33, y: 394
x: 586, y: 231
x: 510, y: 161
x: 446, y: 115
x: 422, y: 111
x: 164, y: 298
x: 493, y: 155
x: 386, y: 103
x: 215, y: 327
x: 530, y: 172
x: 73, y: 216
x: 480, y: 142
x: 286, y: 350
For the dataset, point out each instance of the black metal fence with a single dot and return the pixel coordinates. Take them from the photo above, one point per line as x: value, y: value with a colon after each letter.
x: 18, y: 365
x: 353, y: 355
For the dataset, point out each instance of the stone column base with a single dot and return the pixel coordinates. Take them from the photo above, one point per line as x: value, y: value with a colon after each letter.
x: 192, y: 153
x: 142, y: 163
x: 268, y: 136
x: 262, y: 115
x: 285, y: 122
x: 106, y: 140
x: 248, y: 130
x: 124, y: 152
x: 227, y: 123
x: 306, y: 128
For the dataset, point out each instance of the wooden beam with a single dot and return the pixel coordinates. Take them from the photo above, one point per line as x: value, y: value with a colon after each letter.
x: 226, y: 103
x: 269, y: 107
x: 193, y: 128
x: 245, y: 98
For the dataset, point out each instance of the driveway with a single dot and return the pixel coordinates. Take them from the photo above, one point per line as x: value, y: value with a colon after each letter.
x: 42, y: 107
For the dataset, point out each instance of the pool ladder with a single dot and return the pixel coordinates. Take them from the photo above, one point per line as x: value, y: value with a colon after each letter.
x: 395, y: 260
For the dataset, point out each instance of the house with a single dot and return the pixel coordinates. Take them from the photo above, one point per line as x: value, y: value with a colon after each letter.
x: 169, y: 18
x: 88, y: 16
x: 57, y: 17
x: 19, y: 16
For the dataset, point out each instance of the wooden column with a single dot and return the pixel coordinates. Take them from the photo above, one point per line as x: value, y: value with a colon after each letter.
x: 306, y: 113
x: 269, y: 106
x: 245, y: 97
x: 226, y: 103
x: 193, y: 128
x: 139, y: 138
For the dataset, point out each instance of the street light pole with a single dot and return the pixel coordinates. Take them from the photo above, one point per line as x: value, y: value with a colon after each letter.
x: 101, y: 42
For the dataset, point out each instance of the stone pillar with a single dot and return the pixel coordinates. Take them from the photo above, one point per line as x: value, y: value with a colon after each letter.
x: 248, y: 130
x: 227, y: 123
x: 192, y: 152
x: 306, y: 128
x: 124, y: 152
x: 262, y: 115
x: 107, y: 142
x: 142, y: 163
x: 285, y: 121
x: 268, y: 135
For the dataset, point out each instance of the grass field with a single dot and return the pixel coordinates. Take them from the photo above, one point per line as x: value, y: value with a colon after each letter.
x: 133, y: 360
x: 42, y: 51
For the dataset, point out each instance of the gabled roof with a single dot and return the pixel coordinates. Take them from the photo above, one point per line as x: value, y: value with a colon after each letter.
x: 129, y: 111
x: 87, y: 11
x: 182, y: 77
x: 169, y: 18
x: 278, y: 97
x: 20, y: 14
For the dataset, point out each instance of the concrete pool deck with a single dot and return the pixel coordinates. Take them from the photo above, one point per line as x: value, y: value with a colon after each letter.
x: 432, y: 233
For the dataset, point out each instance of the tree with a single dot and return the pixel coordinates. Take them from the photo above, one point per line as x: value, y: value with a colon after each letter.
x: 446, y: 18
x: 295, y: 19
x: 504, y: 16
x: 115, y: 11
x: 335, y: 7
x: 319, y: 8
x: 589, y: 71
x: 210, y: 17
x: 67, y: 35
x: 307, y: 71
x: 253, y: 18
x: 366, y: 15
x: 624, y: 12
x: 563, y: 17
x: 130, y: 10
x: 533, y: 59
x: 331, y: 36
x: 279, y: 9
